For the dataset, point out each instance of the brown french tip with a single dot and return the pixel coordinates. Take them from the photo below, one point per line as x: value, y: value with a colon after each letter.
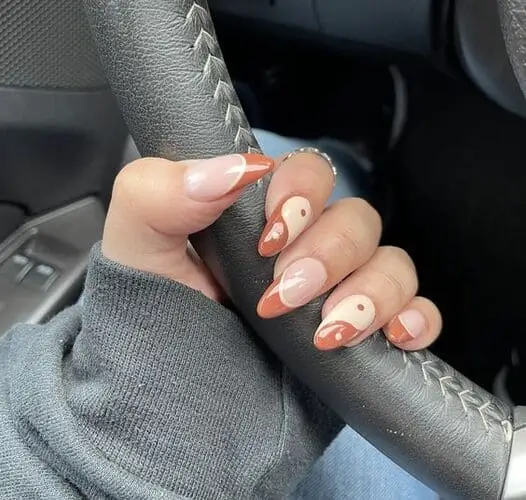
x: 257, y: 166
x: 398, y: 333
x: 301, y: 282
x: 406, y: 326
x: 285, y: 224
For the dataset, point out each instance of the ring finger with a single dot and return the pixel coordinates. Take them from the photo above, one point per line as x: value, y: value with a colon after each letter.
x: 367, y: 300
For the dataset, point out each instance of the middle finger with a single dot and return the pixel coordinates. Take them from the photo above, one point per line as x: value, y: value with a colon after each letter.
x: 342, y: 239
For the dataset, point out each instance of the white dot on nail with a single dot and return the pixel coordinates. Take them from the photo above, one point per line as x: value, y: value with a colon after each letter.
x: 338, y: 336
x: 274, y: 235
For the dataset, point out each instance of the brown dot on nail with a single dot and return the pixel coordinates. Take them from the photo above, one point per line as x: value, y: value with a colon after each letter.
x: 303, y: 212
x: 360, y: 307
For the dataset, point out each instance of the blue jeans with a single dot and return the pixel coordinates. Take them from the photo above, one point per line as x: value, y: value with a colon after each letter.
x: 350, y: 468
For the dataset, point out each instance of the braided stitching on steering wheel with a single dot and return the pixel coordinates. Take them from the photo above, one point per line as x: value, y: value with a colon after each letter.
x: 214, y: 69
x: 490, y: 411
x: 513, y: 20
x: 206, y: 47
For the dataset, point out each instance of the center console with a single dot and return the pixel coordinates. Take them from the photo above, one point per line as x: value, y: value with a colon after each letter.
x: 42, y: 264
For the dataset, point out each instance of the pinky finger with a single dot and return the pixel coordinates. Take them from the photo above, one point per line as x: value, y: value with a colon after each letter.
x: 417, y: 326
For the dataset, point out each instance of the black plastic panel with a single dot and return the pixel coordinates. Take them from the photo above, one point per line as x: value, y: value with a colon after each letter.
x: 482, y: 52
x: 296, y: 13
x: 59, y: 241
x: 404, y: 25
x: 57, y: 146
x: 401, y: 26
x: 61, y: 134
x: 10, y: 218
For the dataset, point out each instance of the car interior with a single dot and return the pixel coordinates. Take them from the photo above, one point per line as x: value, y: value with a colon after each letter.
x: 417, y: 103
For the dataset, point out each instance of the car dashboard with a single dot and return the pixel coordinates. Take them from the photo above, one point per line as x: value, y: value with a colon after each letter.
x: 462, y: 37
x: 379, y: 25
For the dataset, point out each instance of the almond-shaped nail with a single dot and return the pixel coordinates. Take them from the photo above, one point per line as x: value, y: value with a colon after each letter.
x: 301, y: 282
x: 406, y: 326
x: 348, y: 320
x: 285, y: 224
x: 212, y: 179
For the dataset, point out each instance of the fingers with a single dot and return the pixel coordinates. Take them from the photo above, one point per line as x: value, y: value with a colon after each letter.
x: 157, y: 203
x: 367, y: 300
x: 338, y: 247
x: 296, y: 196
x: 344, y: 237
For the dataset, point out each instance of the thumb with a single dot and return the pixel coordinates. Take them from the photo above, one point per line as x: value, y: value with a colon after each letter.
x: 157, y: 203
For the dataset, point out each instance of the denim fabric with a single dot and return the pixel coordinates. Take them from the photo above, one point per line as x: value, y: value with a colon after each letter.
x: 349, y: 164
x: 351, y: 468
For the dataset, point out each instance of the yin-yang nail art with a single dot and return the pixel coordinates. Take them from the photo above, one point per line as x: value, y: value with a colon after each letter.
x: 285, y: 224
x: 345, y: 323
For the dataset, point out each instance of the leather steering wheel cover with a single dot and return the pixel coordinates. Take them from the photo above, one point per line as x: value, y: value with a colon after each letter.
x: 166, y: 69
x: 513, y: 22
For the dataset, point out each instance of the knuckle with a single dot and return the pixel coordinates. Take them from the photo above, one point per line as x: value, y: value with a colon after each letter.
x: 399, y: 287
x: 309, y: 178
x: 398, y: 256
x: 347, y: 243
x: 128, y: 182
x: 369, y: 214
x: 361, y: 230
x: 141, y: 182
x: 322, y: 166
x: 360, y: 212
x: 398, y: 271
x: 314, y: 161
x: 301, y: 178
x: 351, y: 241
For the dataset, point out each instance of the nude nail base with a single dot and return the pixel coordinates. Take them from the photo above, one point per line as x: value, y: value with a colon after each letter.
x: 406, y: 326
x: 301, y: 282
x: 212, y: 179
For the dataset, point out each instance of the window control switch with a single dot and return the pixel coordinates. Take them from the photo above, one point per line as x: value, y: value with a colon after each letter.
x: 40, y: 276
x: 16, y: 267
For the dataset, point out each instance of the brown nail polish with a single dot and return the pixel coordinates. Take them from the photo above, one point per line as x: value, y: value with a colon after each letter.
x: 257, y: 166
x: 345, y: 323
x: 406, y: 326
x: 285, y: 224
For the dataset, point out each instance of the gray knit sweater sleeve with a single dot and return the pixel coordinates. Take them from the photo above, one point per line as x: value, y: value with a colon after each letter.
x: 150, y: 390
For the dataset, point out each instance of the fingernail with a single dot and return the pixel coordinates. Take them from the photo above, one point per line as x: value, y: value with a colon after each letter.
x: 349, y: 318
x: 284, y: 225
x: 301, y: 282
x: 406, y: 326
x: 212, y: 179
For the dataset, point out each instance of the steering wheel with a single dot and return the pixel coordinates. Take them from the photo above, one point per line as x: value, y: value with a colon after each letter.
x: 165, y: 66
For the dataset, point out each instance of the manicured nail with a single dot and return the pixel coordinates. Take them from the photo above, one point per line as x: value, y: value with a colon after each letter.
x: 212, y: 179
x: 349, y: 318
x: 284, y: 225
x: 301, y: 282
x: 406, y: 326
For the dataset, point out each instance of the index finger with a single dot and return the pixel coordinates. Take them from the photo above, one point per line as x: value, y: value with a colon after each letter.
x: 297, y: 195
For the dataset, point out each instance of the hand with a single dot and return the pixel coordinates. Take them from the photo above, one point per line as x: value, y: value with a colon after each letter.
x: 157, y: 203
